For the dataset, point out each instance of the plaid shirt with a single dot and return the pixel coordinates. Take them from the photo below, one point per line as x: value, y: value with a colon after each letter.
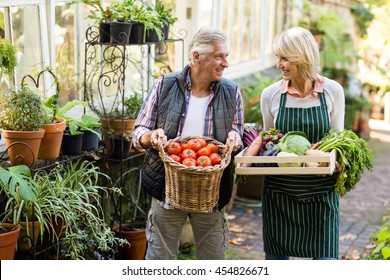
x: 147, y: 118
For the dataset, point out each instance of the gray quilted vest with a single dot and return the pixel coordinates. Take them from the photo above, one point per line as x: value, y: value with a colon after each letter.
x: 171, y: 104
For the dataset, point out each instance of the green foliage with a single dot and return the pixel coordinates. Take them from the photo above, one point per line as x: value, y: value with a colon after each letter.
x: 363, y: 17
x: 251, y: 94
x: 22, y: 110
x: 381, y: 238
x: 76, y: 198
x: 164, y: 13
x: 8, y: 59
x: 23, y: 197
x: 51, y: 104
x: 353, y: 155
x: 133, y: 105
x: 354, y: 105
x: 99, y: 13
x: 338, y: 49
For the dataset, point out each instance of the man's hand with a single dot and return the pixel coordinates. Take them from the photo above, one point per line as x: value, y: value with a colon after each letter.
x: 235, y: 139
x: 152, y: 138
x: 157, y: 136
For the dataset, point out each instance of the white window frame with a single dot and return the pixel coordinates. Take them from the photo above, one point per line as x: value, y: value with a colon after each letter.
x: 43, y: 28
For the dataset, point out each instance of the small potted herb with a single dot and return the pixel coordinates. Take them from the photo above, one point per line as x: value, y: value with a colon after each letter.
x: 21, y: 117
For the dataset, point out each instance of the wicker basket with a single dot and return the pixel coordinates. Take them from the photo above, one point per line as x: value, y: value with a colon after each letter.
x: 194, y: 188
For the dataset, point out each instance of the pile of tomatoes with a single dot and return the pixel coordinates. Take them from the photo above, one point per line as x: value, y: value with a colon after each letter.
x: 194, y: 152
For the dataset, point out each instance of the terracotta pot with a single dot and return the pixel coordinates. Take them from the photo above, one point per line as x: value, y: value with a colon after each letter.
x: 118, y: 127
x: 137, y: 240
x: 8, y: 241
x: 27, y: 239
x: 23, y: 146
x: 51, y: 141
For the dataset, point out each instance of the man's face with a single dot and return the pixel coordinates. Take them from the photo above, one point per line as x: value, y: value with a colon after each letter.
x: 214, y: 63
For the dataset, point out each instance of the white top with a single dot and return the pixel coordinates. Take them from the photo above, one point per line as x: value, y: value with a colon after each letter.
x: 334, y: 96
x: 194, y: 122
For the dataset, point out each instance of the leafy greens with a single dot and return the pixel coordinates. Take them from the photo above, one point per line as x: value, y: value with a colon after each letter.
x: 353, y: 155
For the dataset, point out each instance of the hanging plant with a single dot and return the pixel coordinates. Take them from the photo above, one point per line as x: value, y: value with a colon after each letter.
x: 8, y: 59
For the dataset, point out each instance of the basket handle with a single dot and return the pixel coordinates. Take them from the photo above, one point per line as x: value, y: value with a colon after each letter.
x: 228, y: 153
x: 161, y: 150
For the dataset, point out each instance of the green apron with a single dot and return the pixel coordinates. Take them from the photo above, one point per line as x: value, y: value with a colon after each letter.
x: 300, y: 213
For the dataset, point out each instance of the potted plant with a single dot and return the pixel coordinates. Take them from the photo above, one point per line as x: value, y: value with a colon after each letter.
x: 165, y: 16
x: 8, y: 59
x: 90, y: 126
x: 54, y: 125
x: 9, y: 234
x: 128, y: 214
x: 23, y: 207
x: 21, y: 118
x: 121, y: 26
x: 120, y: 145
x: 120, y: 121
x: 77, y: 188
x: 102, y: 17
x: 162, y: 20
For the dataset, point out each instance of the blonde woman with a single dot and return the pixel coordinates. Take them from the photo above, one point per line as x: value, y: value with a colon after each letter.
x: 301, y: 213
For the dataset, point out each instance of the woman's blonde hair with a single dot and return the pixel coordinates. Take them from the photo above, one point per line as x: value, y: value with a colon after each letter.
x: 203, y: 42
x: 298, y: 45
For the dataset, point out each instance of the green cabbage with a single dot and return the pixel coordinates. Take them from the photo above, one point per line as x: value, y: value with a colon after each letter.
x: 294, y: 142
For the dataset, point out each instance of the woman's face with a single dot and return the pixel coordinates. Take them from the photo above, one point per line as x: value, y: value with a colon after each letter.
x: 289, y: 69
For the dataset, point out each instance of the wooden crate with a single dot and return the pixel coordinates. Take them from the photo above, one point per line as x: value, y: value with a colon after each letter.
x: 329, y: 159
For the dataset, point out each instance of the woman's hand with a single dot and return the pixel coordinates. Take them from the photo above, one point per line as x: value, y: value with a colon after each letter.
x: 252, y: 150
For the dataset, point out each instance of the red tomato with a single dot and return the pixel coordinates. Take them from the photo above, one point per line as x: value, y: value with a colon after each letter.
x: 173, y: 148
x: 176, y: 158
x: 183, y: 145
x: 189, y: 162
x: 194, y: 144
x: 203, y: 161
x: 202, y: 141
x: 213, y: 148
x: 204, y: 152
x: 215, y: 158
x: 188, y: 153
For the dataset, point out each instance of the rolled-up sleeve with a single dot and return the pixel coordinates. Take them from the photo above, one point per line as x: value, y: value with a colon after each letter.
x: 147, y: 117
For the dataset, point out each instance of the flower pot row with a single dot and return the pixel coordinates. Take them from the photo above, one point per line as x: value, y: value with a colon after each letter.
x: 25, y: 147
x: 117, y: 32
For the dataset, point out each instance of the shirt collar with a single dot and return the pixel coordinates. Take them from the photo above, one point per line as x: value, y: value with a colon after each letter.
x: 188, y: 83
x: 318, y: 87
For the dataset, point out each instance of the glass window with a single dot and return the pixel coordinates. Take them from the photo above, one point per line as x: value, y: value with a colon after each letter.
x: 251, y: 27
x: 26, y: 31
x: 23, y: 26
x: 65, y: 43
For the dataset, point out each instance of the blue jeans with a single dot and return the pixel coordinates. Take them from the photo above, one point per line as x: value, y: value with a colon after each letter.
x: 274, y: 257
